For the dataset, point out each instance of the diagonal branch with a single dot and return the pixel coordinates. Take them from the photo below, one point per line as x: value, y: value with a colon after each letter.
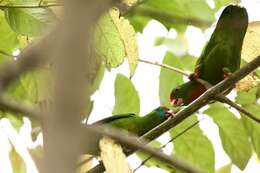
x: 207, y: 85
x: 135, y: 143
x: 203, y: 99
x: 196, y: 104
x: 237, y: 107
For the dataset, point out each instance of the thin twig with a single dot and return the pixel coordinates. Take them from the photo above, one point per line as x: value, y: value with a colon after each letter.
x: 165, y: 66
x: 224, y: 99
x: 195, y: 105
x: 135, y: 143
x: 237, y: 107
x: 171, y: 140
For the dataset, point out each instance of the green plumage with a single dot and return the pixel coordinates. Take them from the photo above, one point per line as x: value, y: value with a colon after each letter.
x: 133, y: 123
x: 221, y: 56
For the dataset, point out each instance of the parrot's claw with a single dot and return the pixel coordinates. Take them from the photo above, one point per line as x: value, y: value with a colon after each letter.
x: 193, y: 76
x: 226, y: 72
x: 196, y: 74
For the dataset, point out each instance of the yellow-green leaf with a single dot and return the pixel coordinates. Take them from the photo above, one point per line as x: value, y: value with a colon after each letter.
x: 126, y: 96
x: 127, y: 34
x: 113, y: 156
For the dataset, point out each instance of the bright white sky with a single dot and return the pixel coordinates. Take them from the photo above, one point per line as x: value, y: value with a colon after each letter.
x: 146, y: 81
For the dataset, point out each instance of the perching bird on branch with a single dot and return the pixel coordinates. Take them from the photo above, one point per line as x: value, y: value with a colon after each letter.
x: 220, y: 58
x: 132, y: 123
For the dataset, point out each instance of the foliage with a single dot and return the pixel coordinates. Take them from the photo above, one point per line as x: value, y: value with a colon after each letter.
x: 115, y: 38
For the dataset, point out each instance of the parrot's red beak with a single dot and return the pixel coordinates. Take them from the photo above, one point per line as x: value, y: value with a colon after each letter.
x: 177, y: 102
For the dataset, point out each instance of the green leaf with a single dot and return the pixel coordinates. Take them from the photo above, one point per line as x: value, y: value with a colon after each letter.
x: 15, y: 119
x: 253, y: 127
x: 29, y: 21
x: 179, y: 45
x: 18, y: 164
x: 8, y: 39
x: 232, y: 133
x: 115, y: 38
x: 247, y: 97
x: 153, y: 162
x: 98, y: 79
x: 191, y: 12
x: 193, y: 145
x: 138, y: 22
x: 170, y: 79
x: 108, y: 42
x: 128, y: 36
x: 221, y: 3
x: 27, y: 88
x: 37, y: 155
x: 126, y: 97
x: 225, y: 169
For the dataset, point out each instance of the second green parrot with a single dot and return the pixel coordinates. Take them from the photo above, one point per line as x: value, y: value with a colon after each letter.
x: 220, y: 58
x: 133, y: 123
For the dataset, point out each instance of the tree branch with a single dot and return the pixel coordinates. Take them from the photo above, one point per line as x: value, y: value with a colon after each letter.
x: 195, y: 105
x: 135, y: 143
x: 203, y: 99
x: 72, y: 87
x: 237, y: 107
x: 207, y: 85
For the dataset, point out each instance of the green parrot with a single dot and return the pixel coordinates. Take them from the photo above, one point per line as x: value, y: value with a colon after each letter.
x: 220, y: 57
x: 132, y: 123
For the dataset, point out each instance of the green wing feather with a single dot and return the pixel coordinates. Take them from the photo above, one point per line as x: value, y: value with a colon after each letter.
x: 211, y: 68
x: 113, y: 118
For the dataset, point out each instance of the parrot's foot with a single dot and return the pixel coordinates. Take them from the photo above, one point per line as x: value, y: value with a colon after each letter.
x: 226, y: 72
x: 196, y: 74
x: 193, y: 76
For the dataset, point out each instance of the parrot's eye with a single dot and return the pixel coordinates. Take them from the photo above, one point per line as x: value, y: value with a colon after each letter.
x: 177, y: 89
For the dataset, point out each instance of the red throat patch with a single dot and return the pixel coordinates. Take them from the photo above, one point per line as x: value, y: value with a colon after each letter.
x: 199, y: 90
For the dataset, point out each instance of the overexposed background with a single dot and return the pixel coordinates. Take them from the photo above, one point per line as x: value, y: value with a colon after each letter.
x: 146, y: 81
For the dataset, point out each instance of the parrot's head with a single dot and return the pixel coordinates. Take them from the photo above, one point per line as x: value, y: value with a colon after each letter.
x: 164, y: 113
x: 233, y: 19
x: 186, y: 93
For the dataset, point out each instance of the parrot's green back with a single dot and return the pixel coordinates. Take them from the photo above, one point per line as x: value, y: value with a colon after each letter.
x: 224, y: 47
x: 221, y: 55
x: 132, y: 123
